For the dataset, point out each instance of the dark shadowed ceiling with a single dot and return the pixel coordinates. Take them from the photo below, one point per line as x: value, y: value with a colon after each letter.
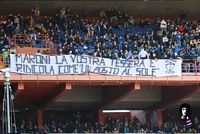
x: 134, y: 7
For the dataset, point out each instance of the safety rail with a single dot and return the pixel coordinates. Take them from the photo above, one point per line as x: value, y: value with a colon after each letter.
x: 190, y: 67
x: 31, y: 40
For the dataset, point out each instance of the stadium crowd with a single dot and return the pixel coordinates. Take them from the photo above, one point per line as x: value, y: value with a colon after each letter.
x: 78, y: 123
x: 114, y: 34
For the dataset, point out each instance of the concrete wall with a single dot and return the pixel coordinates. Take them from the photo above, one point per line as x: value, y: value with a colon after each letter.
x: 83, y: 94
x: 136, y: 8
x: 145, y: 94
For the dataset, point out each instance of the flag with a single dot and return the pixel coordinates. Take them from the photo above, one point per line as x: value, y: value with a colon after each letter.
x: 128, y: 57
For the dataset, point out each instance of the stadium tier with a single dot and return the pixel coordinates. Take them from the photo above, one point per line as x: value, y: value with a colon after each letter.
x: 99, y: 70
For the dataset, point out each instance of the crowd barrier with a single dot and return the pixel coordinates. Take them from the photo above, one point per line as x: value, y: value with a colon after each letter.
x: 31, y: 40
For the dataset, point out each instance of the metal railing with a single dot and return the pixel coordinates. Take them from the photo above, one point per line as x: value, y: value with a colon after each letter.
x: 190, y: 67
x: 31, y: 40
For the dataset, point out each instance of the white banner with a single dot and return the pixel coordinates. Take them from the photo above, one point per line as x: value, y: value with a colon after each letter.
x: 74, y: 64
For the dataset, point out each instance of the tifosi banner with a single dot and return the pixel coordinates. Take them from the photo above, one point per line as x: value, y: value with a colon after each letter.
x: 74, y: 64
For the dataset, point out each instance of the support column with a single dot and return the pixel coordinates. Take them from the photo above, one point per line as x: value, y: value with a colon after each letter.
x: 40, y: 118
x: 159, y: 117
x: 101, y: 116
x: 148, y: 120
x: 19, y: 89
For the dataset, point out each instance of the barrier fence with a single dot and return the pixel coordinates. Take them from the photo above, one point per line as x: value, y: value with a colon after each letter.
x: 190, y: 67
x: 31, y: 40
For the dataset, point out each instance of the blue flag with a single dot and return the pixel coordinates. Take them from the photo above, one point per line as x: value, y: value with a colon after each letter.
x: 128, y: 57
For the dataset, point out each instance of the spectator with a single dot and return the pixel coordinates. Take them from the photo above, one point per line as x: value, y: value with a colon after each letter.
x: 81, y: 123
x: 163, y: 25
x: 113, y: 35
x: 183, y: 15
x: 143, y: 54
x: 62, y: 13
x: 36, y: 14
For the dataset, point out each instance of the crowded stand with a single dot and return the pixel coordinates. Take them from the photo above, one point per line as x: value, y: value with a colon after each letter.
x: 114, y: 34
x: 80, y: 123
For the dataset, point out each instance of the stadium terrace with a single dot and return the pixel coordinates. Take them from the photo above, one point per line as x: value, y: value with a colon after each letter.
x: 87, y: 67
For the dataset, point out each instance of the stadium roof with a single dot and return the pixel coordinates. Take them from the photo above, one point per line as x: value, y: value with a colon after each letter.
x: 134, y: 7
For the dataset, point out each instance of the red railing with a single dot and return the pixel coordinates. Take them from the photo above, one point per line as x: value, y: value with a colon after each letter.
x: 31, y: 40
x: 25, y: 42
x: 190, y: 67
